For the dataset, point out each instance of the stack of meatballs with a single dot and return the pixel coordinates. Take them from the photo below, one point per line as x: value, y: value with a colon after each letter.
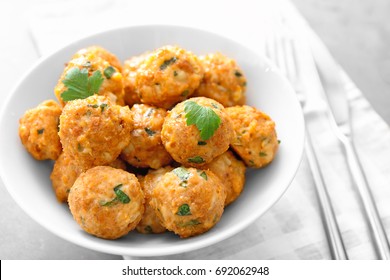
x: 127, y: 158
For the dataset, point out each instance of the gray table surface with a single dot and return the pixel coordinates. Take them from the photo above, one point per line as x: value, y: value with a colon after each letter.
x: 357, y: 34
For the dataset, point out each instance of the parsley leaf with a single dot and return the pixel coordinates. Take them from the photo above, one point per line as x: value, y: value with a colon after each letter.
x: 205, y: 119
x: 120, y: 197
x: 196, y: 159
x: 79, y: 85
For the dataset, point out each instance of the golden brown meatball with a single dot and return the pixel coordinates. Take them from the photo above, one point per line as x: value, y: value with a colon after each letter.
x: 95, y: 60
x: 94, y: 131
x: 97, y: 51
x: 185, y: 143
x: 167, y: 76
x: 130, y: 68
x: 150, y: 223
x: 38, y: 130
x: 223, y: 80
x: 231, y: 172
x: 189, y: 201
x: 106, y: 202
x: 145, y: 148
x: 256, y: 140
x: 65, y: 172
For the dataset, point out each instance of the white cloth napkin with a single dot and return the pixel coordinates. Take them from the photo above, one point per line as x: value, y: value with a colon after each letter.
x: 292, y: 229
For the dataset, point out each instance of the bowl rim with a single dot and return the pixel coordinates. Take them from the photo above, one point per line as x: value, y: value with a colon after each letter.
x: 106, y: 248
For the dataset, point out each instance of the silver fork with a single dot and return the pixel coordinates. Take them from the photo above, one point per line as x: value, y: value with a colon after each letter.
x: 283, y: 51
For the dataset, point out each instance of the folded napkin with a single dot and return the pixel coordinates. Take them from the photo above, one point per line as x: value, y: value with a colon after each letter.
x: 293, y: 228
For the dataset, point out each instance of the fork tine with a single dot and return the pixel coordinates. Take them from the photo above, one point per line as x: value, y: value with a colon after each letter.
x: 283, y: 50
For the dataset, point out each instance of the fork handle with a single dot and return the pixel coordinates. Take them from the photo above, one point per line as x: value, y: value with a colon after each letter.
x: 332, y: 230
x: 374, y: 221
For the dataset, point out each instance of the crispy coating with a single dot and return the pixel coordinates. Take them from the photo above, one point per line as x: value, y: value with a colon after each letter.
x: 65, y: 172
x: 150, y: 223
x: 94, y: 131
x: 98, y: 208
x: 183, y: 142
x: 97, y: 51
x: 145, y: 148
x: 167, y: 76
x: 38, y: 130
x: 231, y: 172
x: 129, y: 72
x: 94, y: 59
x: 189, y: 201
x: 256, y: 140
x: 223, y: 80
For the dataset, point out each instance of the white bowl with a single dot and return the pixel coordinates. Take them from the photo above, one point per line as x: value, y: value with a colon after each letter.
x: 28, y: 181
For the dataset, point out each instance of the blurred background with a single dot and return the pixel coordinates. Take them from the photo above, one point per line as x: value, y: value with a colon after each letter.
x: 356, y: 32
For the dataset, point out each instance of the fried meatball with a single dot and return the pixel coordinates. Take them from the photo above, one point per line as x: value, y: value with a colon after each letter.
x: 167, y: 76
x: 94, y: 131
x: 65, y: 172
x: 150, y: 223
x: 184, y: 142
x: 188, y: 201
x: 256, y: 141
x: 38, y: 130
x: 97, y: 51
x: 106, y: 202
x: 93, y: 60
x: 129, y: 72
x: 231, y: 172
x: 223, y: 80
x: 145, y: 148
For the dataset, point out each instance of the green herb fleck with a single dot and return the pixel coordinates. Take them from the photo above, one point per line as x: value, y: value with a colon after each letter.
x: 190, y: 223
x: 87, y: 64
x: 175, y: 73
x: 205, y: 119
x: 120, y: 197
x: 93, y: 106
x: 279, y: 141
x: 148, y: 229
x: 244, y: 84
x: 238, y: 73
x: 103, y: 106
x: 109, y: 71
x: 40, y: 131
x: 182, y: 173
x: 262, y: 154
x: 203, y: 174
x: 215, y: 105
x: 149, y: 112
x: 184, y: 210
x: 202, y: 143
x: 196, y: 159
x: 168, y: 62
x: 185, y: 93
x: 79, y: 85
x: 79, y: 147
x: 149, y: 131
